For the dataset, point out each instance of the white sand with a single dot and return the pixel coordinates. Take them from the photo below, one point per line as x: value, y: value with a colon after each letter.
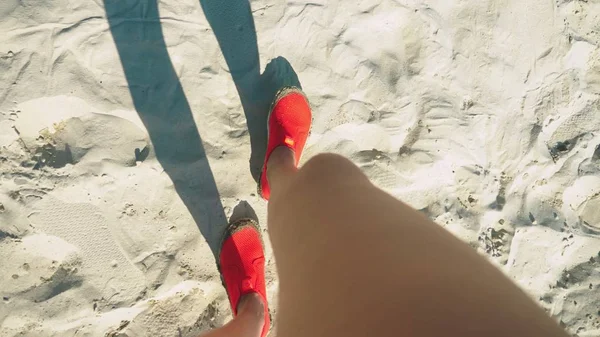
x: 484, y: 114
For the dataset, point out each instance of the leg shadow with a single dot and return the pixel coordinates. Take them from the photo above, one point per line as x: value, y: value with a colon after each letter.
x: 164, y: 109
x: 233, y: 26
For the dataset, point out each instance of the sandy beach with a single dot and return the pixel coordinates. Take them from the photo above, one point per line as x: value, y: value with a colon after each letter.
x: 131, y: 132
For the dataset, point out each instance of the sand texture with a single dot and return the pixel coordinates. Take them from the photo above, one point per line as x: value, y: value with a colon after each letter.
x: 130, y: 130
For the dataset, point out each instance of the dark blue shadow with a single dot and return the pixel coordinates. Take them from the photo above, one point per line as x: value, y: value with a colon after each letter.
x: 161, y: 103
x: 164, y: 109
x: 233, y: 26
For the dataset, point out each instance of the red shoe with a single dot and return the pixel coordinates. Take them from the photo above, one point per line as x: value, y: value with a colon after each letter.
x: 289, y: 125
x: 242, y: 265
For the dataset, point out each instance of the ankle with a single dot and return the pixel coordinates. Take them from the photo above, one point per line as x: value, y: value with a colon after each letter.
x: 252, y: 304
x: 280, y: 166
x: 281, y: 156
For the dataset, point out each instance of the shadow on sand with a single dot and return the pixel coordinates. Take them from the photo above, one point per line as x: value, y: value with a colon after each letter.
x: 164, y: 109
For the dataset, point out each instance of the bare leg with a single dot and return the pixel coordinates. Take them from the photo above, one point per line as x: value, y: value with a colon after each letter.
x: 354, y: 261
x: 248, y: 323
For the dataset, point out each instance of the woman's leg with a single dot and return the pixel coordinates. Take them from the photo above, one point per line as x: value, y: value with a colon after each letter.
x: 354, y: 261
x: 248, y: 323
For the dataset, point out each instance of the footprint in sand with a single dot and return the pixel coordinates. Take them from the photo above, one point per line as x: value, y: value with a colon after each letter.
x: 38, y: 267
x: 582, y: 204
x: 561, y: 134
x: 84, y: 226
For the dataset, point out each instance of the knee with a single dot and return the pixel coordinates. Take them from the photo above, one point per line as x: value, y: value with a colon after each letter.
x: 325, y: 178
x: 326, y: 160
x: 331, y: 167
x: 326, y: 163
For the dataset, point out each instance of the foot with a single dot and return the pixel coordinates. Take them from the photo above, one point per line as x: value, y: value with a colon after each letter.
x: 242, y: 267
x: 289, y: 125
x: 257, y: 97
